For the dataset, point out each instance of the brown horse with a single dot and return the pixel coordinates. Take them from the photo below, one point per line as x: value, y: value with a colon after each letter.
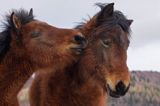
x: 101, y: 69
x: 27, y: 45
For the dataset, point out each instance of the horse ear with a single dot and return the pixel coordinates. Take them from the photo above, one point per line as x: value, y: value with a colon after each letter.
x: 31, y: 12
x: 129, y: 22
x: 15, y: 21
x: 106, y: 11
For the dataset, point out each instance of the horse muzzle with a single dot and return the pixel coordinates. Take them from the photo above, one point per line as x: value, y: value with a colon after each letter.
x: 120, y: 90
x: 81, y: 44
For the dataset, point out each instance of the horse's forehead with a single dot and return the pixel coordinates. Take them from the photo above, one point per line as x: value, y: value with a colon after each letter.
x: 120, y: 37
x: 37, y: 22
x: 114, y: 32
x: 37, y: 25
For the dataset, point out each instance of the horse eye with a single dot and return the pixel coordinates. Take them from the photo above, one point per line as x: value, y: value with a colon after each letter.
x: 106, y: 42
x: 35, y: 34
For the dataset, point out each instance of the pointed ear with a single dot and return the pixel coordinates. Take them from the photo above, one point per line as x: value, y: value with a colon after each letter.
x: 15, y: 21
x: 31, y: 12
x: 129, y: 22
x: 106, y: 12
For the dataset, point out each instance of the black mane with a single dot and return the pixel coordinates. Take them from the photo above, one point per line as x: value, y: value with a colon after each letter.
x: 5, y: 37
x: 116, y: 19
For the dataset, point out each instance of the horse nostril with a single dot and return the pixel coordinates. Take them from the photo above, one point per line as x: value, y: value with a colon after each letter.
x: 121, y: 88
x: 79, y: 39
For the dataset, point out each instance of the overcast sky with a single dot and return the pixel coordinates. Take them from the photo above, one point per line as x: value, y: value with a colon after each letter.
x: 144, y: 51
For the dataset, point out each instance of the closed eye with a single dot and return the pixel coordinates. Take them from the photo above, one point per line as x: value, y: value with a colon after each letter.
x: 35, y: 34
x: 106, y: 42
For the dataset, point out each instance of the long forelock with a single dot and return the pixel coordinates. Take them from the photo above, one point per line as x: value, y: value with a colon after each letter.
x: 117, y: 19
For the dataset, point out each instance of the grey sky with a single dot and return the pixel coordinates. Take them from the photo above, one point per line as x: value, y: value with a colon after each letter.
x: 144, y: 51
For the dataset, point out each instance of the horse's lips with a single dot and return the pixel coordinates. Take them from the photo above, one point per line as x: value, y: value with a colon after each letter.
x: 111, y: 93
x: 78, y: 50
x: 114, y: 95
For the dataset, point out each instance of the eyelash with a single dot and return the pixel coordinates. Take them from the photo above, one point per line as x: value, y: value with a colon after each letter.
x: 35, y: 34
x: 106, y: 43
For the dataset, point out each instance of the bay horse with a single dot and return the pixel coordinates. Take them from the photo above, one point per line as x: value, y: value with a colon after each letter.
x: 101, y: 70
x: 27, y: 45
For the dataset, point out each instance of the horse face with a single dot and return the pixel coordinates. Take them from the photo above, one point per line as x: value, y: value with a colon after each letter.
x: 113, y: 43
x: 46, y: 45
x: 110, y: 52
x: 114, y: 46
x: 47, y: 41
x: 109, y: 43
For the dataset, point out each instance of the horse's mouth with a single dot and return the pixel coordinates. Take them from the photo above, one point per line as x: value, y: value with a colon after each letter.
x: 77, y: 50
x: 113, y: 93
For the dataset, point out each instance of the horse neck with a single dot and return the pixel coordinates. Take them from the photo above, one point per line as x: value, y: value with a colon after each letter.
x: 89, y: 80
x: 15, y: 69
x: 81, y: 83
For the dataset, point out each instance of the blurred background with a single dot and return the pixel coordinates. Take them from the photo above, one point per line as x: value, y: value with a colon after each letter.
x: 143, y: 53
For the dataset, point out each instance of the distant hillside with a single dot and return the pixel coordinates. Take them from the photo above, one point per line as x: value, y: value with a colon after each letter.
x: 144, y: 90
